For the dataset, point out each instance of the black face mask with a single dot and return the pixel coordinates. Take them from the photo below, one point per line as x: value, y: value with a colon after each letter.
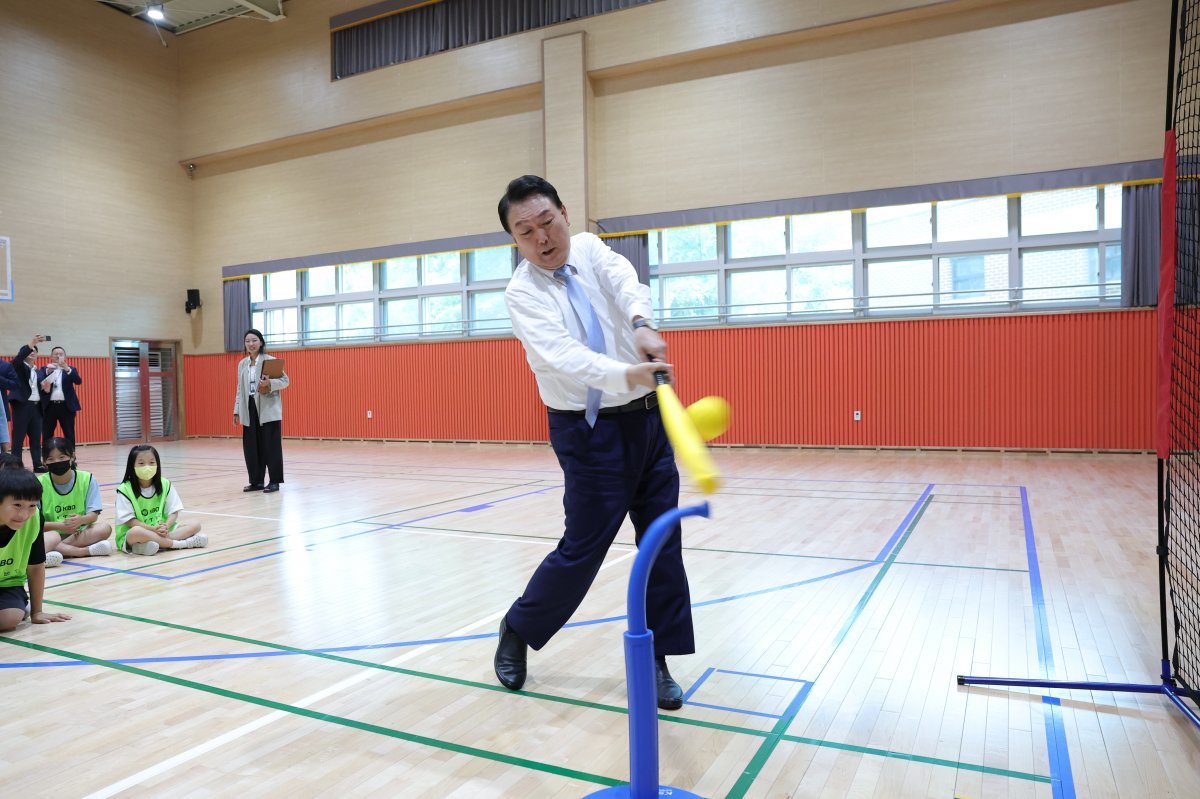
x: 59, y: 468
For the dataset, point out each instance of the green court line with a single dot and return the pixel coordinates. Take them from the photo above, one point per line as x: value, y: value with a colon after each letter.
x: 160, y: 563
x: 933, y: 761
x: 769, y: 744
x: 342, y: 721
x: 207, y: 552
x: 671, y: 719
x: 384, y: 667
x: 759, y: 761
x: 955, y: 566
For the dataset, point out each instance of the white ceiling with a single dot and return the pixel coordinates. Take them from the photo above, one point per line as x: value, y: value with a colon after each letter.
x: 181, y: 16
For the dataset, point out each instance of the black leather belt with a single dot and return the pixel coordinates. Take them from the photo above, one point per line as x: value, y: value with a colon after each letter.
x: 643, y: 403
x: 57, y: 402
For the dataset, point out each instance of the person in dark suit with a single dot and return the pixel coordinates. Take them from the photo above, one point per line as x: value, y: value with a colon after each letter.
x: 585, y: 322
x: 26, y: 403
x: 58, y: 399
x: 8, y: 381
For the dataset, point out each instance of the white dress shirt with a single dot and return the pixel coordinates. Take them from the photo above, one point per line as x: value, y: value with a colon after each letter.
x: 252, y: 374
x: 56, y: 393
x: 555, y: 341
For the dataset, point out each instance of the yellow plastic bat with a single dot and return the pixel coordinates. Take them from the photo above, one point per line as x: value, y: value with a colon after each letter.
x: 684, y: 430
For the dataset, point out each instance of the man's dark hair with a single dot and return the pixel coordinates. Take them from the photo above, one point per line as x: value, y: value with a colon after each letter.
x: 58, y: 347
x: 523, y: 188
x: 20, y: 485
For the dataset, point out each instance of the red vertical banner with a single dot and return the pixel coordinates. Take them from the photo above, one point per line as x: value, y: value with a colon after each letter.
x: 1166, y: 300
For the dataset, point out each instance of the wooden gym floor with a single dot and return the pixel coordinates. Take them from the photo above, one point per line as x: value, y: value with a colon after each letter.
x: 335, y: 639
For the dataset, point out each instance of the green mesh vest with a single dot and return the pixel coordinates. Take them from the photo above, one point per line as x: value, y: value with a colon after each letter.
x: 14, y: 557
x: 148, y: 510
x: 57, y: 506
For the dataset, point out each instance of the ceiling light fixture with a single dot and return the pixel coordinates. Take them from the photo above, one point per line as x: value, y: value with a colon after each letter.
x: 155, y: 13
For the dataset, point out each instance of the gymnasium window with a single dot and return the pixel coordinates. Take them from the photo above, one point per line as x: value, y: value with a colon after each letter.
x: 690, y: 297
x: 758, y: 292
x: 827, y: 288
x: 755, y: 238
x: 401, y: 273
x: 905, y: 283
x: 488, y: 311
x: 823, y: 232
x: 979, y: 218
x: 1043, y: 250
x: 683, y: 245
x: 1062, y: 211
x: 898, y: 225
x: 393, y: 299
x: 976, y: 278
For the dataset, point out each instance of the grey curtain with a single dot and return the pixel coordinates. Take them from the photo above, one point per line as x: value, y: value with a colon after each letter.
x: 636, y: 248
x: 445, y: 25
x: 1140, y: 245
x: 237, y: 313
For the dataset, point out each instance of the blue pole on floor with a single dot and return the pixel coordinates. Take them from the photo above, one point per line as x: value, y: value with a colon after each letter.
x: 639, y: 670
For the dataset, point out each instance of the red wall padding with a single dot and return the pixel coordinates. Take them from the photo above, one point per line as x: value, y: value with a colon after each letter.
x: 93, y: 424
x: 1054, y: 381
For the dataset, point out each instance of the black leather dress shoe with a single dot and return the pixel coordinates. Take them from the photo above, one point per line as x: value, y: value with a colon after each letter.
x: 510, y: 658
x: 252, y: 487
x: 271, y: 488
x: 670, y: 695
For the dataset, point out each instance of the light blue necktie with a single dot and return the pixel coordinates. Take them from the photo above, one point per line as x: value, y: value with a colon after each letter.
x: 591, y: 326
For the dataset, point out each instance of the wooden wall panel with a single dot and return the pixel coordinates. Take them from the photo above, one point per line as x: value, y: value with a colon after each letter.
x: 91, y: 193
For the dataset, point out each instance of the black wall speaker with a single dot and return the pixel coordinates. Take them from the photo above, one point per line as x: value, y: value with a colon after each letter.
x: 193, y: 300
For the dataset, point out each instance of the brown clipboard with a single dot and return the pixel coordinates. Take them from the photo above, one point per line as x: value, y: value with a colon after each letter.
x: 272, y: 369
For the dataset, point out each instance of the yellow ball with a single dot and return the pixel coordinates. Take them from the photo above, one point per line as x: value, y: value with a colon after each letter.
x: 710, y: 415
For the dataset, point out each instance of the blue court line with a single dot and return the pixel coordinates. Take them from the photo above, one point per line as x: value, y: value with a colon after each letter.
x: 735, y: 710
x: 763, y: 676
x: 1061, y: 780
x: 711, y: 671
x: 761, y: 591
x: 426, y: 641
x: 220, y: 565
x: 1041, y: 626
x: 94, y: 567
x: 376, y: 529
x: 269, y: 653
x: 891, y: 542
x: 728, y: 477
x: 65, y: 574
x: 1056, y: 739
x: 688, y: 693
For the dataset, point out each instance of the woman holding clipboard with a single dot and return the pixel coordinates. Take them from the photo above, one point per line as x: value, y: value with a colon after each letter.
x: 258, y: 408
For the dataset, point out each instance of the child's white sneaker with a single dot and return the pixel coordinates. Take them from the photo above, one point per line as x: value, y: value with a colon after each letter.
x: 144, y: 548
x: 195, y: 542
x: 53, y: 558
x: 100, y: 548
